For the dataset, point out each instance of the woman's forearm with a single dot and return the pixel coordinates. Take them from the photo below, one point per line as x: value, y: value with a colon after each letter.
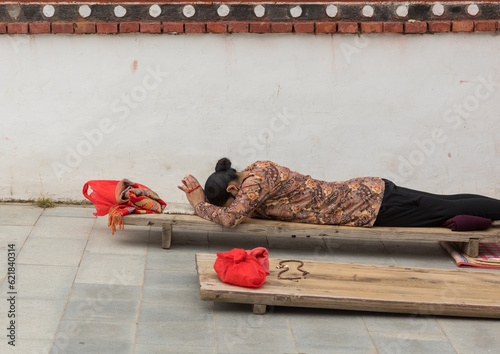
x: 227, y: 217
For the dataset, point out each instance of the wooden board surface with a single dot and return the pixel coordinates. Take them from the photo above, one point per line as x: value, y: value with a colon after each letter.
x: 365, y: 288
x: 272, y: 227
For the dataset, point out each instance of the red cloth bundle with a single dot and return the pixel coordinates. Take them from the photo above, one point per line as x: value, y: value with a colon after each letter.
x: 120, y: 198
x: 102, y: 194
x: 240, y: 268
x: 262, y: 256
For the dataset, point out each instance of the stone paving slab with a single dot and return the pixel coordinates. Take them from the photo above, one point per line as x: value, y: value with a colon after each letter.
x: 74, y: 228
x: 52, y: 251
x: 43, y: 282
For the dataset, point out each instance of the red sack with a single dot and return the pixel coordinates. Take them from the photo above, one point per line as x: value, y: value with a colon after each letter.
x: 239, y: 268
x: 262, y: 256
x: 102, y: 195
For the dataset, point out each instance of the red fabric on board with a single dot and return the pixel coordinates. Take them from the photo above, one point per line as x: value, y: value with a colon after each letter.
x: 133, y: 198
x: 102, y: 195
x: 239, y: 268
x: 262, y: 256
x: 120, y: 198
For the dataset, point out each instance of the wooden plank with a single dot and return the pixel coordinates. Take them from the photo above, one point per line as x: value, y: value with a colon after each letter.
x: 471, y: 248
x: 166, y: 236
x: 364, y: 288
x: 272, y: 228
x: 259, y: 309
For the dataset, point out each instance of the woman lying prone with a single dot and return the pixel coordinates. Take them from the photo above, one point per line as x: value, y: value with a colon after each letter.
x: 267, y: 190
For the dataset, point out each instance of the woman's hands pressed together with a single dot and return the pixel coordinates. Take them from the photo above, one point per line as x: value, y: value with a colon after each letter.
x: 193, y: 190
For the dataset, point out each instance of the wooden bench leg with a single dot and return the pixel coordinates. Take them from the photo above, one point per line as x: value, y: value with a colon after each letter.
x: 471, y: 248
x: 259, y: 309
x: 166, y: 235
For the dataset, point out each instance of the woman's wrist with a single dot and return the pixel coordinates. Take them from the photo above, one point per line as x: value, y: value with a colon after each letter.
x: 199, y: 203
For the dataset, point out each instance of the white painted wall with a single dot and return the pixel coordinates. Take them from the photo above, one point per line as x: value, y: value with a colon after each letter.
x: 336, y: 107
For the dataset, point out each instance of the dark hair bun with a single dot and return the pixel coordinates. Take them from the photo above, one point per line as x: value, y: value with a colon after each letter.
x: 223, y: 164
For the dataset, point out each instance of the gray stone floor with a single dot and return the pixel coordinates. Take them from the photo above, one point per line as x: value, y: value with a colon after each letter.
x: 82, y: 290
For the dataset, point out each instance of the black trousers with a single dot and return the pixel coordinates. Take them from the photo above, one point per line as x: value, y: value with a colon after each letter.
x: 403, y: 207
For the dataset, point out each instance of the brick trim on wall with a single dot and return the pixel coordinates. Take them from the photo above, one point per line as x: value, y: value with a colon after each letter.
x: 253, y: 17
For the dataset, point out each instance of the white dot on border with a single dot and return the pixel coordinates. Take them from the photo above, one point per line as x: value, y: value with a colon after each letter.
x: 120, y: 11
x: 367, y: 11
x: 14, y: 10
x: 438, y: 9
x: 331, y: 10
x: 49, y: 10
x: 154, y: 11
x: 189, y: 10
x: 402, y: 11
x: 296, y: 11
x: 223, y: 10
x: 84, y: 10
x: 259, y: 10
x: 473, y: 9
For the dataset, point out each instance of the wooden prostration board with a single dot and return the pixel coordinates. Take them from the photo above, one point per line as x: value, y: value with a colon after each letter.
x: 270, y: 228
x: 363, y: 287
